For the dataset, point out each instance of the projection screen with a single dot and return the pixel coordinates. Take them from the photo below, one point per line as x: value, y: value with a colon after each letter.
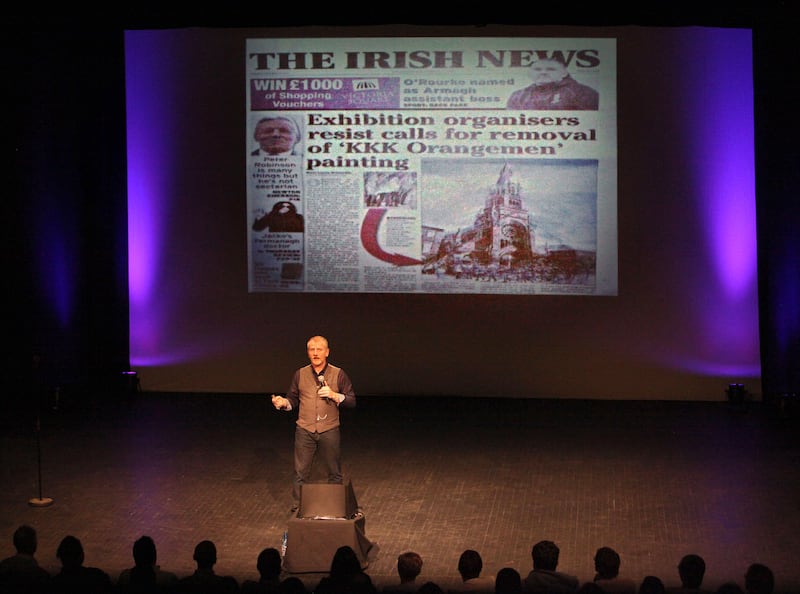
x: 432, y: 165
x: 674, y: 204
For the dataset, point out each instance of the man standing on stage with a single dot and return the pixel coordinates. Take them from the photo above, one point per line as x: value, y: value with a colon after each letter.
x: 317, y: 392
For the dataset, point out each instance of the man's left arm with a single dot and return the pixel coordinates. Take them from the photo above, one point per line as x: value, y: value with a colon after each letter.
x: 346, y: 390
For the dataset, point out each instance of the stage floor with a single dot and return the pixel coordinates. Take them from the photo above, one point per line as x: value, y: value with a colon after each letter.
x: 653, y: 480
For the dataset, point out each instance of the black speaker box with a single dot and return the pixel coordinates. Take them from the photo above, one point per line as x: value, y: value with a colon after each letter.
x: 323, y: 501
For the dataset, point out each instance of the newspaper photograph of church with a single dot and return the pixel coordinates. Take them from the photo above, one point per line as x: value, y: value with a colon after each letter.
x: 500, y: 246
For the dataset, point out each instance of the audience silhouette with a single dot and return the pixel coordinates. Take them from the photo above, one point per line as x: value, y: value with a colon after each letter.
x: 691, y: 570
x: 74, y: 577
x: 470, y: 565
x: 268, y: 565
x: 293, y: 585
x: 346, y: 575
x: 606, y: 565
x: 409, y: 566
x: 544, y: 578
x: 508, y: 581
x: 204, y: 580
x: 652, y: 585
x: 146, y: 576
x: 20, y: 573
x: 759, y: 579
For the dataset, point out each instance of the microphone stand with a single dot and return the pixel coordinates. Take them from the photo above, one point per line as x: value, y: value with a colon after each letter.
x: 39, y: 501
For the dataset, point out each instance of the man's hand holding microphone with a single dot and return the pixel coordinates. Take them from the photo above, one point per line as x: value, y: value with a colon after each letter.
x: 324, y: 391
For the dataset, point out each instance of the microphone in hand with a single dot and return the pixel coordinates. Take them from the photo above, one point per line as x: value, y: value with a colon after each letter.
x: 323, y: 390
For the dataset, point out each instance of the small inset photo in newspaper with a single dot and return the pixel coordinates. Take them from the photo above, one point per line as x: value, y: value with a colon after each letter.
x: 283, y: 217
x: 397, y: 189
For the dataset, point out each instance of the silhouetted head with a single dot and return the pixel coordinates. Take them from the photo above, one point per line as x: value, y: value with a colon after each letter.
x: 651, y: 585
x: 470, y: 564
x: 508, y: 581
x: 269, y: 563
x: 606, y: 563
x: 691, y: 568
x: 70, y: 552
x: 345, y: 563
x: 545, y: 555
x: 293, y: 585
x: 144, y: 551
x: 25, y: 540
x: 205, y: 554
x: 409, y: 565
x: 759, y: 579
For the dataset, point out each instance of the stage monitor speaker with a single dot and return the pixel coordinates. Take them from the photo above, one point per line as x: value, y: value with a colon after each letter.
x: 323, y: 501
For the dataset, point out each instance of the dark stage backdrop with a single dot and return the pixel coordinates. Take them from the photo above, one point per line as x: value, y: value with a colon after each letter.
x: 682, y: 324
